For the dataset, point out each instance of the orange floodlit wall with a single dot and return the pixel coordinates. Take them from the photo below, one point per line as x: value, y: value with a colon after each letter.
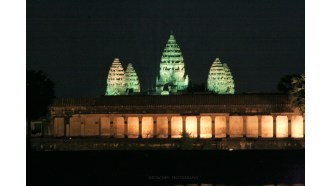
x: 75, y: 126
x: 147, y: 127
x: 297, y: 127
x: 281, y: 127
x: 252, y: 126
x: 176, y: 127
x: 220, y: 126
x: 105, y: 126
x: 162, y: 127
x: 206, y: 127
x: 92, y: 126
x: 267, y: 126
x: 236, y: 126
x: 191, y: 125
x: 118, y: 126
x: 133, y: 127
x: 59, y: 126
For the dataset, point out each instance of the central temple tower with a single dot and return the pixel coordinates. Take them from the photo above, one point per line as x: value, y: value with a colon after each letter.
x: 172, y: 76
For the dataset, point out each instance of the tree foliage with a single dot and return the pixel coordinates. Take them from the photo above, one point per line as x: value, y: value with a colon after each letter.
x: 39, y: 94
x: 285, y: 84
x: 187, y: 141
x: 294, y: 85
x: 297, y: 94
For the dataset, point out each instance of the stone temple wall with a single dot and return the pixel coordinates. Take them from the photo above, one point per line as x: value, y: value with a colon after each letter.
x: 173, y: 126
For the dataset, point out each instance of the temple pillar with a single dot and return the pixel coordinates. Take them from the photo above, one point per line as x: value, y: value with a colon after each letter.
x: 289, y: 126
x: 198, y: 126
x: 125, y: 127
x: 213, y: 126
x: 112, y: 128
x: 99, y: 127
x: 183, y: 125
x: 244, y: 127
x: 274, y: 126
x: 147, y: 127
x: 297, y: 126
x: 105, y: 126
x: 304, y: 125
x: 281, y: 126
x: 51, y: 126
x: 140, y: 126
x: 169, y: 119
x: 252, y: 126
x: 176, y: 126
x: 82, y: 128
x: 162, y: 127
x: 259, y: 126
x: 155, y: 127
x: 227, y: 127
x: 67, y: 127
x: 236, y: 126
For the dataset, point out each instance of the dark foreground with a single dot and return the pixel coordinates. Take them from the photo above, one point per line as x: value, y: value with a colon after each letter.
x: 166, y: 167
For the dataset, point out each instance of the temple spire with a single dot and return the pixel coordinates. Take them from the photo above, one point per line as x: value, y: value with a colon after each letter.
x: 172, y: 68
x: 132, y: 80
x: 220, y: 79
x: 116, y: 79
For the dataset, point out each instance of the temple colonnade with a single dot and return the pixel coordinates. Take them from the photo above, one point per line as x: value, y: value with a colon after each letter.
x: 173, y: 126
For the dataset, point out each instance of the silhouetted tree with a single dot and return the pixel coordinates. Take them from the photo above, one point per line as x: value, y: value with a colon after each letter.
x: 187, y: 141
x: 285, y: 84
x: 294, y: 85
x: 297, y: 94
x: 39, y: 95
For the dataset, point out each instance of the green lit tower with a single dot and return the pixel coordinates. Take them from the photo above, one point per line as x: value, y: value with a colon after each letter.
x: 116, y: 84
x: 132, y: 80
x: 172, y: 76
x: 229, y: 80
x: 220, y: 79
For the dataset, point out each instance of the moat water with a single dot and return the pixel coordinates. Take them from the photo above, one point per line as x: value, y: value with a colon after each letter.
x: 194, y: 168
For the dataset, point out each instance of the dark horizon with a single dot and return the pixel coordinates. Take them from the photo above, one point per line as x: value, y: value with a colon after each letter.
x: 76, y: 42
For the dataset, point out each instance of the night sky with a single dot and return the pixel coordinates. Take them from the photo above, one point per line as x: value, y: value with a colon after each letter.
x: 75, y: 42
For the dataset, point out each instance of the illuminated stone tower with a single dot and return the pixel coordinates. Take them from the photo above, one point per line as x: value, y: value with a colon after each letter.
x: 116, y: 84
x: 230, y: 80
x: 172, y: 77
x: 132, y: 80
x: 220, y: 79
